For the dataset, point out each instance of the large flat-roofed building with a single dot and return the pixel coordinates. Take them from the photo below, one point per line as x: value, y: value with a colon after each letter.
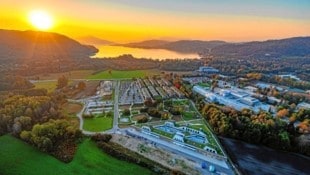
x: 303, y: 105
x: 208, y: 70
x: 237, y: 100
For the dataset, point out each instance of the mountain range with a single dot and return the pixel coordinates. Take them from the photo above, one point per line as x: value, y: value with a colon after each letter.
x: 91, y: 40
x: 297, y: 46
x: 183, y: 46
x: 35, y: 45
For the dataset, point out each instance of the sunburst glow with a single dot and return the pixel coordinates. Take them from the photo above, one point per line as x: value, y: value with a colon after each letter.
x: 41, y: 20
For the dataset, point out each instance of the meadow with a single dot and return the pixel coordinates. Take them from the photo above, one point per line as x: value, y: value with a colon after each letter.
x: 19, y: 158
x: 50, y: 86
x: 118, y: 74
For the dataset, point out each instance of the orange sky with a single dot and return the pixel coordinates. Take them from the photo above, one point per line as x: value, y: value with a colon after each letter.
x: 125, y: 21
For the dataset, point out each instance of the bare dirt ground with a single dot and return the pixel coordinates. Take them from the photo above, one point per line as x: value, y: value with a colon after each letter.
x: 150, y: 151
x: 72, y: 108
x: 90, y: 90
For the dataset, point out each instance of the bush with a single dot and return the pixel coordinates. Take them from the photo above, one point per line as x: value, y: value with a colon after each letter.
x: 126, y: 112
x: 102, y: 137
x: 88, y: 116
x: 142, y: 119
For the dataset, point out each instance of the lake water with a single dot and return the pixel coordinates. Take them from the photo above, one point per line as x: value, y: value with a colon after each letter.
x: 114, y: 51
x: 258, y: 160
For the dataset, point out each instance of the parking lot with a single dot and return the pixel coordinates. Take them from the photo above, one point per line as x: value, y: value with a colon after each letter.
x: 129, y: 93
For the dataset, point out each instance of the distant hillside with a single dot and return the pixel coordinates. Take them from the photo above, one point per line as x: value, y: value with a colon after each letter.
x: 148, y: 44
x: 34, y: 45
x: 91, y: 40
x: 185, y: 46
x: 192, y: 46
x: 298, y: 46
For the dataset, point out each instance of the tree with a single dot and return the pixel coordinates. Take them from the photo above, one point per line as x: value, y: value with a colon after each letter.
x: 81, y: 85
x: 142, y: 119
x: 126, y: 112
x: 110, y: 114
x: 62, y: 82
x: 282, y: 113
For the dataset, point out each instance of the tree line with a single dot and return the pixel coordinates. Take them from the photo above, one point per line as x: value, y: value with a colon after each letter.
x: 261, y: 128
x: 39, y: 121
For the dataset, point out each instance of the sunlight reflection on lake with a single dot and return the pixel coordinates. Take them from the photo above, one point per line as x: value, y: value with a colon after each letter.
x: 114, y: 51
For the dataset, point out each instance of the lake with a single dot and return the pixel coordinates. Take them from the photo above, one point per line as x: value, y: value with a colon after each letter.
x: 161, y: 54
x: 258, y: 160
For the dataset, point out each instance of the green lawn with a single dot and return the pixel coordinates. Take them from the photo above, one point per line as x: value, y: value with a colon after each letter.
x: 50, y: 86
x: 189, y: 115
x: 162, y: 133
x: 212, y: 143
x: 98, y: 124
x: 19, y: 158
x: 115, y: 74
x: 204, y: 85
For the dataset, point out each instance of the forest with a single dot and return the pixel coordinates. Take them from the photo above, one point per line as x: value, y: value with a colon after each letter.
x: 36, y: 118
x: 261, y: 128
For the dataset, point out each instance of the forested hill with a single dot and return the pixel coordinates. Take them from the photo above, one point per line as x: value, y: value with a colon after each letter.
x: 184, y: 46
x: 298, y: 46
x: 35, y: 45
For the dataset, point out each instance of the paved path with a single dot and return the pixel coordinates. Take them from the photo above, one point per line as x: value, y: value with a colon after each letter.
x: 116, y: 111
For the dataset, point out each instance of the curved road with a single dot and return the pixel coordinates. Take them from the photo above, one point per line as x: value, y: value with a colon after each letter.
x: 116, y: 113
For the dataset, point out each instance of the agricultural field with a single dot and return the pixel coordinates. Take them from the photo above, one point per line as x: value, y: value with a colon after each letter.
x: 77, y: 74
x: 116, y: 74
x: 89, y: 159
x: 98, y: 123
x: 50, y: 86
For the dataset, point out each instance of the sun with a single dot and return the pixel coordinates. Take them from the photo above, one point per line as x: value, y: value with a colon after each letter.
x: 41, y: 20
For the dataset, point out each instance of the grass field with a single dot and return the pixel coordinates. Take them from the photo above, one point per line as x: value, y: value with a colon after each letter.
x: 50, y: 86
x: 98, y: 124
x: 115, y: 74
x: 19, y: 158
x: 77, y: 74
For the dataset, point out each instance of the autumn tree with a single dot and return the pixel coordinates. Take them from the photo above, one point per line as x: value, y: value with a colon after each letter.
x: 282, y: 113
x: 62, y: 82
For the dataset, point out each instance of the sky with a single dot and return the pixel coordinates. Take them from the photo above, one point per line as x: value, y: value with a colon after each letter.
x: 135, y: 20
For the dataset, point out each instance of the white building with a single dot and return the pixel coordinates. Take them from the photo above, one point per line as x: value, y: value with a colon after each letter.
x: 179, y: 137
x: 303, y: 105
x: 208, y: 70
x: 234, y: 98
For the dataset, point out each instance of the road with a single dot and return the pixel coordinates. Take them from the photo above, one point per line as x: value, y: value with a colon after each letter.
x: 116, y: 111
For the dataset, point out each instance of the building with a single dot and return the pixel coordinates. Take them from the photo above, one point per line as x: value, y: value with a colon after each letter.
x: 294, y: 77
x: 179, y: 137
x: 208, y: 70
x: 234, y: 97
x: 303, y: 105
x: 105, y: 88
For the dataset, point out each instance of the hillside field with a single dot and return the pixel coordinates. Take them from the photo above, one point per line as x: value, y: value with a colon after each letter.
x: 19, y: 158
